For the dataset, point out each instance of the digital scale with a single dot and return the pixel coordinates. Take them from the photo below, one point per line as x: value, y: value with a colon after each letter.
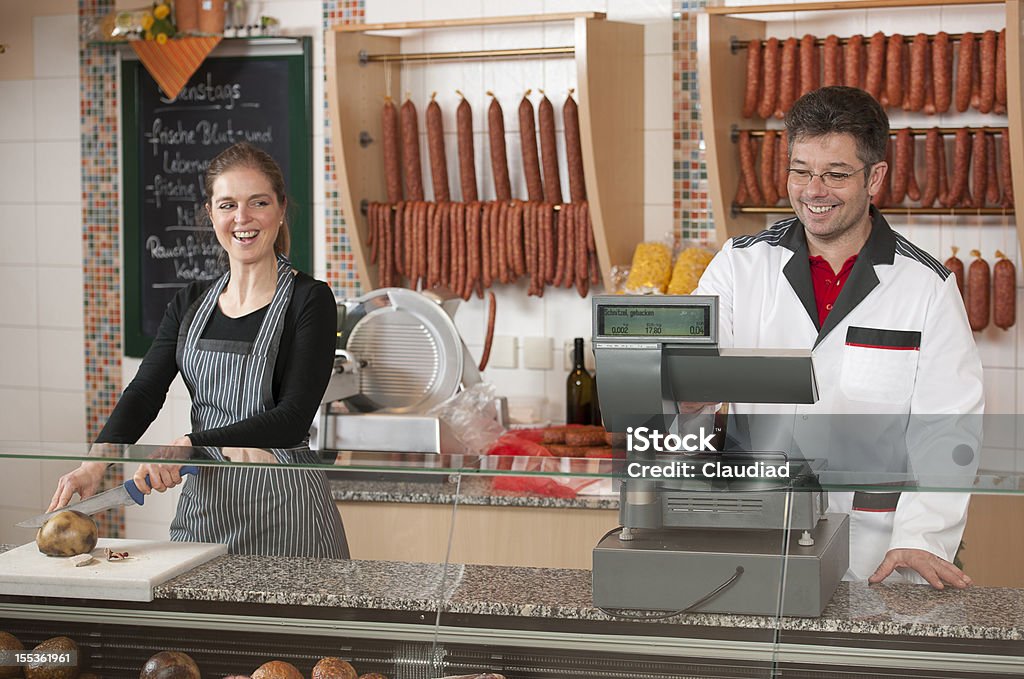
x: 718, y: 540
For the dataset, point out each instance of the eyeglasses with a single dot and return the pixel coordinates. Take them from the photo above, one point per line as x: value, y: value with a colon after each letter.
x: 833, y: 180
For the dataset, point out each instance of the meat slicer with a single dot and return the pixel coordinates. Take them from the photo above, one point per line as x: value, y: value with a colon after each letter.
x: 712, y: 541
x: 399, y: 354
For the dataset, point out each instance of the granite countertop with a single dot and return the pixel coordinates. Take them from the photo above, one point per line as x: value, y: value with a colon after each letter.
x: 472, y: 490
x: 856, y: 608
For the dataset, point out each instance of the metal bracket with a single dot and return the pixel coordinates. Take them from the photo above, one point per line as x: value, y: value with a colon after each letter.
x: 365, y: 139
x: 364, y: 57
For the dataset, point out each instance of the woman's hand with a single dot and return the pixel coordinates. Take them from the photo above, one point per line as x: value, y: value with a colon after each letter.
x: 85, y: 481
x: 159, y: 477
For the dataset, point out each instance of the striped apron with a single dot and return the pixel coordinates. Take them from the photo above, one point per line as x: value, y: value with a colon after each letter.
x: 266, y: 511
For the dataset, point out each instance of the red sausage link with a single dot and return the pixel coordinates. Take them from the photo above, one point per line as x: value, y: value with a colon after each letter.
x: 549, y: 151
x: 528, y: 145
x: 876, y: 65
x: 932, y: 146
x: 904, y: 165
x: 913, y: 190
x: 748, y: 168
x: 853, y: 58
x: 809, y: 66
x: 1004, y: 293
x: 959, y: 189
x: 832, y: 59
x: 894, y: 68
x: 979, y: 169
x: 956, y: 266
x: 770, y: 91
x: 918, y: 72
x: 978, y: 293
x: 389, y: 147
x: 574, y: 150
x: 1005, y: 174
x: 965, y: 71
x: 1000, y: 85
x: 991, y: 173
x: 438, y: 158
x: 499, y: 157
x: 467, y: 154
x: 411, y: 170
x: 987, y: 53
x: 752, y: 93
x: 768, y: 166
x: 788, y: 74
x: 782, y: 166
x: 942, y: 71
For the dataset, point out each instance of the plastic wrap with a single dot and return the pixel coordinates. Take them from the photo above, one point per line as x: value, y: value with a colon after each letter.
x: 472, y: 417
x: 651, y: 268
x: 690, y: 265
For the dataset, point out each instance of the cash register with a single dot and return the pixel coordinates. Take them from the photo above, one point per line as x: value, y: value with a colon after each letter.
x: 743, y: 532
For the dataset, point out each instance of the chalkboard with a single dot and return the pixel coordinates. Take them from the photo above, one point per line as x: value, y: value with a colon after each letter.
x: 167, y: 144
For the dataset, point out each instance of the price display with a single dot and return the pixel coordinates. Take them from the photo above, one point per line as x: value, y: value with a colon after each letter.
x: 654, y: 320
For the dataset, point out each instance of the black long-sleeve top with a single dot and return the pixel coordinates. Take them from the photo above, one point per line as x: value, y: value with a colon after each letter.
x: 301, y: 372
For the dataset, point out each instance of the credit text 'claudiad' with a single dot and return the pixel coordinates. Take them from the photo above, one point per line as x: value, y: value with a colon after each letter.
x: 643, y: 439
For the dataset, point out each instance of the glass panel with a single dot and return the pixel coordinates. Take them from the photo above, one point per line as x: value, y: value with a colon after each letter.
x: 465, y: 563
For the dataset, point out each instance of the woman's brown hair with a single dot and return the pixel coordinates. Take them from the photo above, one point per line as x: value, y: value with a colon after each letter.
x: 244, y: 154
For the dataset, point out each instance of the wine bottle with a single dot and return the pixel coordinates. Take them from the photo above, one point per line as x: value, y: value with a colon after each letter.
x: 580, y: 390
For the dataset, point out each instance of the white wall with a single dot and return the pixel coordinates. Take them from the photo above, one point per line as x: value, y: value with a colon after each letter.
x: 42, y: 378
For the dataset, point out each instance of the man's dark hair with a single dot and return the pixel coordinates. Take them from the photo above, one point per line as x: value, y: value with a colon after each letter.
x: 842, y: 110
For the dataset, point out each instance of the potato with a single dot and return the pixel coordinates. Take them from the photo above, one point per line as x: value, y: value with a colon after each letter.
x: 47, y: 670
x: 67, y: 533
x: 334, y: 668
x: 277, y: 669
x: 9, y: 642
x: 170, y: 665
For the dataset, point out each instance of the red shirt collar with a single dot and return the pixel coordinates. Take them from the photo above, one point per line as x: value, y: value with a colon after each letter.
x: 828, y: 284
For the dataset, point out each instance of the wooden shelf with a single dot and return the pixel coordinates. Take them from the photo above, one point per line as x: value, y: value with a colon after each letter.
x: 460, y: 23
x: 609, y: 60
x: 721, y: 73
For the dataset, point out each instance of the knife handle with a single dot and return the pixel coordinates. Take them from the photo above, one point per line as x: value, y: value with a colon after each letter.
x: 139, y: 497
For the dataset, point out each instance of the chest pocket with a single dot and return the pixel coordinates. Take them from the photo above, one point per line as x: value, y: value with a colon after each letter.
x: 879, y: 365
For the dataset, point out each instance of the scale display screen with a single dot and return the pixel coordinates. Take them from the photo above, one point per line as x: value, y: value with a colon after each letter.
x: 654, y: 320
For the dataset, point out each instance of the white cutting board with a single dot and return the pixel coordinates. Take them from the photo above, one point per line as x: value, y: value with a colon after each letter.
x: 25, y: 571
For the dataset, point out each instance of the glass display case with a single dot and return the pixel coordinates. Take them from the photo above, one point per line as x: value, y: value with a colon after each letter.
x: 443, y: 617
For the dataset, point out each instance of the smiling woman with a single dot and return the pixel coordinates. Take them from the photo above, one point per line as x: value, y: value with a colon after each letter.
x: 255, y: 349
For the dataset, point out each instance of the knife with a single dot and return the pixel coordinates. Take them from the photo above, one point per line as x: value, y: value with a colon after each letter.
x: 125, y: 494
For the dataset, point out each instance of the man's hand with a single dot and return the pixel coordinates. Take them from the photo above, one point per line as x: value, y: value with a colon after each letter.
x: 938, y: 572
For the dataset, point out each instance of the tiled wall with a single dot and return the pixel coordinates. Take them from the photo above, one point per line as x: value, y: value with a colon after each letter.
x: 42, y: 378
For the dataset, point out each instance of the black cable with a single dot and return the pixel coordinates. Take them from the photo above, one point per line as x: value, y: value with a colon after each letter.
x: 689, y: 609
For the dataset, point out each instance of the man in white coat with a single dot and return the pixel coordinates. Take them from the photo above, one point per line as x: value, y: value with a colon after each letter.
x: 887, y: 329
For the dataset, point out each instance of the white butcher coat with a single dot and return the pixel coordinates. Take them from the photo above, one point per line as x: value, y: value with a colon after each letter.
x: 896, y: 343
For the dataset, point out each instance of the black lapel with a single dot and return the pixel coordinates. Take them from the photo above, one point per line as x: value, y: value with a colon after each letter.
x: 798, y: 269
x: 879, y: 249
